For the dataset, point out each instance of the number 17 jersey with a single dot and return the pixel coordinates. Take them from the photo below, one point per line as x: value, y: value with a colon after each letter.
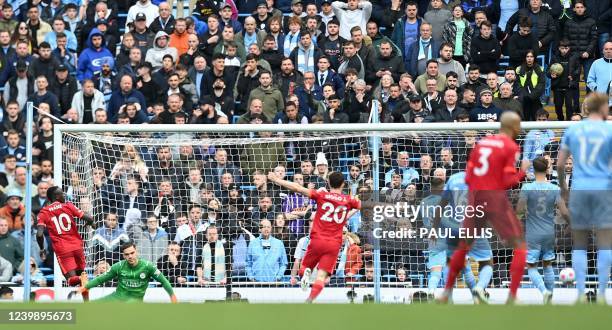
x: 331, y: 215
x: 59, y: 220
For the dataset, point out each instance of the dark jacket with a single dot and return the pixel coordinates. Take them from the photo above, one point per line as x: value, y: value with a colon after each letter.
x: 485, y: 53
x: 118, y: 99
x: 518, y: 47
x: 546, y: 25
x: 582, y: 34
x: 571, y: 66
x: 288, y: 84
x: 393, y: 63
x: 44, y: 67
x: 398, y: 37
x: 64, y: 91
x: 484, y: 114
x: 442, y: 114
x: 156, y: 25
x: 412, y: 57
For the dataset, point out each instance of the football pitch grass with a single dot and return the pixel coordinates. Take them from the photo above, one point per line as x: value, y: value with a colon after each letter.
x: 137, y: 316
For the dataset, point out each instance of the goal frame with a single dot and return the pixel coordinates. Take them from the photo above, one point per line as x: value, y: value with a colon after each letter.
x: 372, y: 129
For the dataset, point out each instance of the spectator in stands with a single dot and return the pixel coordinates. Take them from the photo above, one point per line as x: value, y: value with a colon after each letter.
x: 432, y: 98
x: 92, y: 58
x: 486, y: 111
x: 492, y: 83
x: 249, y: 35
x: 36, y: 276
x: 365, y: 51
x: 271, y: 54
x: 289, y: 78
x: 19, y: 186
x: 44, y: 64
x: 6, y: 272
x: 59, y: 26
x: 159, y: 50
x: 388, y: 62
x: 7, y: 175
x: 13, y: 211
x: 266, y: 258
x: 485, y: 49
x: 306, y: 54
x: 247, y: 81
x: 565, y: 86
x: 532, y: 80
x: 63, y: 86
x: 218, y: 70
x: 21, y: 55
x: 599, y: 76
x: 40, y: 200
x: 213, y: 263
x: 432, y: 72
x: 64, y: 55
x: 449, y: 110
x: 536, y: 140
x: 403, y: 168
x: 546, y: 27
x: 142, y: 35
x: 152, y: 242
x: 144, y: 8
x: 447, y: 64
x: 437, y: 16
x: 86, y: 101
x: 19, y: 87
x: 421, y: 51
x: 7, y: 22
x: 581, y: 31
x: 331, y: 44
x: 37, y: 27
x: 406, y: 29
x: 108, y: 238
x: 353, y: 13
x: 122, y: 95
x: 210, y: 39
x: 13, y: 143
x: 523, y: 41
x: 506, y: 101
x: 270, y: 95
x: 171, y: 265
x: 165, y: 21
x: 265, y: 209
x: 263, y: 156
x: 458, y: 31
x: 12, y: 249
x: 42, y: 95
x: 134, y: 61
x: 447, y: 162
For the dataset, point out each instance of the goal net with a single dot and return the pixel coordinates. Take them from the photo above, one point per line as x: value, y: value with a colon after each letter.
x: 198, y: 204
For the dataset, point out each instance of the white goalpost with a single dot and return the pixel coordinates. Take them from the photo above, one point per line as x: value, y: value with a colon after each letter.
x: 174, y: 187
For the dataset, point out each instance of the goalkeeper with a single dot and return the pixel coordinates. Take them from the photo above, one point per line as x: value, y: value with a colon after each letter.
x: 133, y: 275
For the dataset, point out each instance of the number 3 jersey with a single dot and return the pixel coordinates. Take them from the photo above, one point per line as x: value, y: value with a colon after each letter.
x: 492, y: 164
x: 63, y: 231
x: 331, y: 215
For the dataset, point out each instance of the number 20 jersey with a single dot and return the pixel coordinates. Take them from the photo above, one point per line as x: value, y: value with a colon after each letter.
x: 492, y: 164
x: 63, y: 231
x: 331, y: 215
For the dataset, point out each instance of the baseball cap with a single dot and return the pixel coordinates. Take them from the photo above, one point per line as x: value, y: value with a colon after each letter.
x: 224, y: 4
x: 21, y: 65
x: 61, y: 67
x: 103, y: 21
x: 295, y: 2
x: 140, y: 17
x: 326, y: 2
x: 485, y: 91
x: 262, y: 3
x: 414, y: 97
x: 14, y: 193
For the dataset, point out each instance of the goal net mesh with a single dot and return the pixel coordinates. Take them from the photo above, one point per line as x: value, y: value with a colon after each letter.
x: 196, y: 203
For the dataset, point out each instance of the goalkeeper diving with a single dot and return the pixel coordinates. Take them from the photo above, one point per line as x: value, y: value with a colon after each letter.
x: 133, y: 276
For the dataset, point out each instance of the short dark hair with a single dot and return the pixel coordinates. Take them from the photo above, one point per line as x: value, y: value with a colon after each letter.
x: 336, y: 180
x: 51, y: 193
x: 127, y: 245
x: 5, y: 290
x: 452, y: 74
x: 540, y: 165
x: 564, y: 42
x: 474, y: 67
x: 432, y: 61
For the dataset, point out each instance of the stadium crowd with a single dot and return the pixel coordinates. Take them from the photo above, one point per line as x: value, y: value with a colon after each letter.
x: 192, y: 209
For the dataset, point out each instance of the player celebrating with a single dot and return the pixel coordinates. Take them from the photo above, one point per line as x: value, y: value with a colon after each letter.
x: 540, y: 199
x: 333, y: 209
x: 133, y: 276
x: 58, y: 218
x: 490, y: 172
x: 590, y: 144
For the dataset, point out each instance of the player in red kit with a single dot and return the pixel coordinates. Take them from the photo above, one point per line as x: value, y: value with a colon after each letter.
x: 58, y: 219
x: 491, y: 170
x: 333, y: 208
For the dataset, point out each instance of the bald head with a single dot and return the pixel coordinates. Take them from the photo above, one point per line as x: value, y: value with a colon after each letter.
x: 510, y: 124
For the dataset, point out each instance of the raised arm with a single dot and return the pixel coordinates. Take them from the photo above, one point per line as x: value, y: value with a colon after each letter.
x: 295, y: 187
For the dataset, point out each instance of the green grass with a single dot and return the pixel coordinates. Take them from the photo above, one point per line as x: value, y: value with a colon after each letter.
x: 116, y: 316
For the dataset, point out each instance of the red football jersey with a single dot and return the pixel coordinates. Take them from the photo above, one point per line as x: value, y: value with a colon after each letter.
x: 63, y: 231
x: 331, y: 215
x: 492, y: 164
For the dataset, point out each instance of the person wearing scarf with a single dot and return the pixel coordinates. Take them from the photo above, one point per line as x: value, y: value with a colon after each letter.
x: 213, y: 260
x: 306, y: 54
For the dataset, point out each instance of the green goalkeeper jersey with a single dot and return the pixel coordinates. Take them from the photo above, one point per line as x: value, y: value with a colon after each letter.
x: 132, y: 282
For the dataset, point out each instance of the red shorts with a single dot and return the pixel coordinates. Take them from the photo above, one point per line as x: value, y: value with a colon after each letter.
x: 321, y: 254
x: 72, y: 260
x: 496, y: 211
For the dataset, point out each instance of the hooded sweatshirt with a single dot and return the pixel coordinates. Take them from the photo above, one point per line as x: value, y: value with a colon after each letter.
x: 156, y: 54
x: 91, y: 59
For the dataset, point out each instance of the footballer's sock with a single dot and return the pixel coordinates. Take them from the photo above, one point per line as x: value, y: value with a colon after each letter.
x: 579, y: 263
x: 517, y: 268
x: 604, y: 260
x: 434, y: 280
x: 74, y: 280
x: 316, y: 289
x: 536, y: 278
x: 468, y: 276
x: 549, y: 278
x: 455, y: 265
x: 484, y: 276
